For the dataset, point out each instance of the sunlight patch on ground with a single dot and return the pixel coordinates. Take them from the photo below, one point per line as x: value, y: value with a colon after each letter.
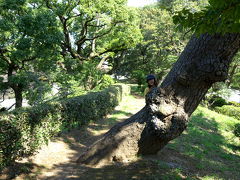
x: 56, y: 151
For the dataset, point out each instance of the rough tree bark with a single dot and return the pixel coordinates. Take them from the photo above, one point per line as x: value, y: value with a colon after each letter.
x: 205, y: 60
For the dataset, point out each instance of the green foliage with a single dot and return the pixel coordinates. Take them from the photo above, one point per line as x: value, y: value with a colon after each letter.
x: 159, y: 48
x: 37, y: 87
x: 217, y: 101
x: 98, y: 27
x: 234, y: 103
x: 8, y: 131
x: 237, y: 130
x: 219, y: 16
x: 229, y: 110
x: 105, y: 82
x: 139, y: 76
x: 92, y: 78
x: 89, y: 78
x: 216, y: 95
x: 138, y: 90
x: 234, y: 73
x: 30, y: 43
x: 24, y: 130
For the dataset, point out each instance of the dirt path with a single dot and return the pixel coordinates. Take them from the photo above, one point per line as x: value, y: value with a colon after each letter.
x: 57, y: 159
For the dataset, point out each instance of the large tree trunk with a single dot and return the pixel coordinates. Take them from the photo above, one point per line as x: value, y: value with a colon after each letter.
x: 205, y: 60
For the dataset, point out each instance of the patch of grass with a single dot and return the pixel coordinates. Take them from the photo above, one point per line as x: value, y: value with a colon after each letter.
x: 127, y: 106
x: 209, y: 143
x: 137, y: 90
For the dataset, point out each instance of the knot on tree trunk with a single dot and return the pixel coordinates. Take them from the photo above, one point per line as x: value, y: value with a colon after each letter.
x: 220, y: 70
x: 165, y: 121
x: 160, y: 110
x: 166, y: 117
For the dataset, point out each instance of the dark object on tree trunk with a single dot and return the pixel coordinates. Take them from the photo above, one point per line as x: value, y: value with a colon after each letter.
x: 205, y: 60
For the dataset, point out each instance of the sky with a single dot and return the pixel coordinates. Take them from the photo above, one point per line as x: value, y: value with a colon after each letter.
x: 140, y: 3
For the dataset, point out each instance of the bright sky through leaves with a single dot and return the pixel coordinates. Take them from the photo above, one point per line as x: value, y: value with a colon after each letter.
x: 140, y: 3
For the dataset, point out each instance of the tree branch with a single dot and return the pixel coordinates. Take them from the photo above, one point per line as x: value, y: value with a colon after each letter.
x: 11, y: 106
x: 67, y: 43
x: 3, y: 97
x: 105, y: 33
x: 2, y: 51
x: 48, y: 4
x: 27, y: 60
x: 83, y: 33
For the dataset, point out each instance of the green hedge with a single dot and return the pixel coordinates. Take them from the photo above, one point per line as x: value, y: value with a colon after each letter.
x: 229, y: 110
x: 24, y: 131
x: 234, y: 103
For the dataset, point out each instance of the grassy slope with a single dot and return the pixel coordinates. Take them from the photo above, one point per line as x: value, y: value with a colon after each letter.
x: 207, y: 149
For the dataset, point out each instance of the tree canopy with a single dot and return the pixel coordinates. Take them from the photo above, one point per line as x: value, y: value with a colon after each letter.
x: 218, y: 16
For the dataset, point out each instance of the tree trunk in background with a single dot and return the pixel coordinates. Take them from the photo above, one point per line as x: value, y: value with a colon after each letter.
x: 17, y: 88
x: 18, y: 96
x: 205, y: 60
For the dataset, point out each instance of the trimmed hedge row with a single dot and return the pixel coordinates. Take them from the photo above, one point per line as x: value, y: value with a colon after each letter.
x: 234, y: 103
x: 24, y: 131
x: 229, y: 110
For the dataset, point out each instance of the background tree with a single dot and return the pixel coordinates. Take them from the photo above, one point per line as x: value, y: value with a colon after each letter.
x: 159, y: 48
x: 161, y: 44
x: 94, y: 28
x: 94, y: 32
x: 29, y: 41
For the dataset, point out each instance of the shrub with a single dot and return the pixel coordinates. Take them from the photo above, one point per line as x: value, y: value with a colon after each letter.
x: 105, y: 82
x: 24, y: 130
x: 139, y: 76
x: 237, y: 130
x: 234, y: 103
x: 229, y: 110
x: 216, y: 95
x: 217, y: 101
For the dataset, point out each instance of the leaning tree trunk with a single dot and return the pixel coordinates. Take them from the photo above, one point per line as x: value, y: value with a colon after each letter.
x: 205, y: 60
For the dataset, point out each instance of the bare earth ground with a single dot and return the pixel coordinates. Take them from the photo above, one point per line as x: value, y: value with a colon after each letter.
x: 56, y: 161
